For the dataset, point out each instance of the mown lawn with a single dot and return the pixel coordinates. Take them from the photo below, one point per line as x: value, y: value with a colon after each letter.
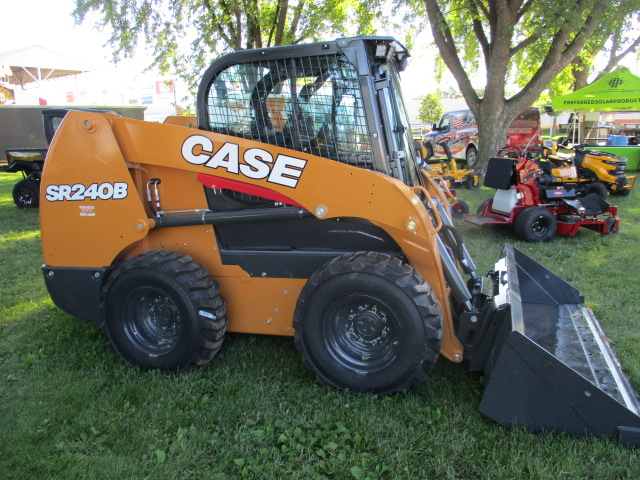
x: 70, y: 409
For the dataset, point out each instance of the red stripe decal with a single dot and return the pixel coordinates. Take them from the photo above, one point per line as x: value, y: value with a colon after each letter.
x: 214, y: 182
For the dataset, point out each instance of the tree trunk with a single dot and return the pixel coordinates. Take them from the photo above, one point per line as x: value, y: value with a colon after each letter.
x: 580, y: 72
x: 282, y: 18
x: 492, y: 132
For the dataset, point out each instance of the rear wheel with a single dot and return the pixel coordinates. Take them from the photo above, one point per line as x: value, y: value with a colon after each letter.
x: 26, y: 193
x: 535, y: 224
x: 367, y: 322
x: 597, y: 188
x: 163, y: 311
x: 429, y: 148
x: 471, y: 156
x: 417, y: 146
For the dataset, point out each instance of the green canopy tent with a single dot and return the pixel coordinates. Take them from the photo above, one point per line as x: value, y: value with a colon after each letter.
x: 619, y: 91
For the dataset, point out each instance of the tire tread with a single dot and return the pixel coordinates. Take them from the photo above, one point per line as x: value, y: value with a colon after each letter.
x: 202, y: 290
x: 402, y: 275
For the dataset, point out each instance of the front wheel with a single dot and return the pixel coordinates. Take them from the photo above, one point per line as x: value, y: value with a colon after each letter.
x: 472, y: 183
x: 471, y: 156
x: 484, y: 204
x: 622, y: 192
x: 459, y: 208
x: 26, y: 193
x: 535, y: 224
x: 367, y: 322
x: 163, y: 311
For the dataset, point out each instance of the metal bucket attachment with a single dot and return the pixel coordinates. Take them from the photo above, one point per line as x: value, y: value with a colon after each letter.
x: 548, y: 365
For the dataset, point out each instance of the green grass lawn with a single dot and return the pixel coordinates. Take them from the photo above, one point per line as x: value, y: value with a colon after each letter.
x: 70, y: 409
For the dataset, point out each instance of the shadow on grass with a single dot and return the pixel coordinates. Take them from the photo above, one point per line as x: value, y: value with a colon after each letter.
x: 71, y: 408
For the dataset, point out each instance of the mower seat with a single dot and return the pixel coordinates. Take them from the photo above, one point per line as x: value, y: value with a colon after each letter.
x: 544, y: 165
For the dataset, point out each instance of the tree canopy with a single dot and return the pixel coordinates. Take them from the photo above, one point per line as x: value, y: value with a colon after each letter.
x: 616, y: 37
x: 430, y: 109
x: 186, y: 35
x: 501, y: 36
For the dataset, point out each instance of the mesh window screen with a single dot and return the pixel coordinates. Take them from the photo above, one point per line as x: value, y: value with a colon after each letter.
x: 310, y: 104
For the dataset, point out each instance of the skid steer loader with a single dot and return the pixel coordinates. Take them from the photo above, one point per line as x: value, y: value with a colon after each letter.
x: 296, y: 208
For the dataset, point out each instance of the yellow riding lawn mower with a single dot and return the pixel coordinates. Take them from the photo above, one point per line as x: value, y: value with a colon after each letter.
x: 604, y: 168
x: 587, y: 171
x: 296, y: 207
x: 447, y: 167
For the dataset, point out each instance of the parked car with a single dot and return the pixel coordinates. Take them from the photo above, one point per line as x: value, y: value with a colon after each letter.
x: 462, y: 130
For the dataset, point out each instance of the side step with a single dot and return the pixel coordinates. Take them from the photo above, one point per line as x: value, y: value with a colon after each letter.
x: 548, y: 365
x: 478, y: 219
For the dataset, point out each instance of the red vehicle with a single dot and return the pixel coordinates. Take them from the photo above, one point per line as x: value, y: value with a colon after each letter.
x: 461, y: 129
x: 537, y: 213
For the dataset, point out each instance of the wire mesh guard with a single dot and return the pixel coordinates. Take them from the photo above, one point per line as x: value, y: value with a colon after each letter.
x: 310, y: 104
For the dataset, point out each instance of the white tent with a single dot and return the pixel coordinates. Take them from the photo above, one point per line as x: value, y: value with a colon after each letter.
x: 36, y: 64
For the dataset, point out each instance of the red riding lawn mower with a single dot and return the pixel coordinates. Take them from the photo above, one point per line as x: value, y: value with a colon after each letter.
x: 537, y: 212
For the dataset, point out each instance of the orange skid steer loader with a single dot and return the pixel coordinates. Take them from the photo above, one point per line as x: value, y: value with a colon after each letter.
x: 296, y: 207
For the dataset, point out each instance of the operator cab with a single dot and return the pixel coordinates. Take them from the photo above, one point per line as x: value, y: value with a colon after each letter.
x: 339, y: 100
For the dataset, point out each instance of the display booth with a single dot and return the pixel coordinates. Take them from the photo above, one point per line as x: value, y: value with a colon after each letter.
x: 591, y: 118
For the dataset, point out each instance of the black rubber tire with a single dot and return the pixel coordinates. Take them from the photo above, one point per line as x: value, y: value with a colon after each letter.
x: 610, y: 226
x: 26, y: 193
x: 597, y: 188
x: 535, y: 224
x: 417, y: 147
x: 623, y: 192
x: 544, y: 180
x: 460, y: 208
x: 469, y: 185
x: 368, y: 322
x: 429, y: 148
x: 471, y: 156
x: 163, y: 311
x: 482, y: 205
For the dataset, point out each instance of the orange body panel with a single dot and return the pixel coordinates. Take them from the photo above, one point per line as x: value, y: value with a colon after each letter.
x: 181, y: 120
x: 85, y: 232
x: 96, y: 149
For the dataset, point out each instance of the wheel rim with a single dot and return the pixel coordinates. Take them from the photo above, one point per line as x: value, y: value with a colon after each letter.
x: 152, y: 321
x: 362, y: 333
x: 471, y: 157
x: 540, y: 227
x: 25, y: 196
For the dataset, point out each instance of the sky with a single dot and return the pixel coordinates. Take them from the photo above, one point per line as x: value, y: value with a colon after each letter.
x: 49, y: 23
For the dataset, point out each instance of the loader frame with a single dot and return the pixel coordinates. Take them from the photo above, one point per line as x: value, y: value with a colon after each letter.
x: 285, y: 217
